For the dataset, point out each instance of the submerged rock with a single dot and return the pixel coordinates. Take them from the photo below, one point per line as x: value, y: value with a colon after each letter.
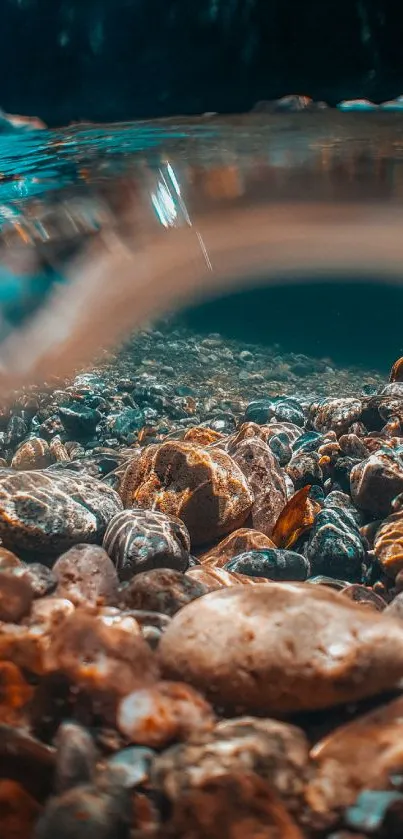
x: 282, y: 648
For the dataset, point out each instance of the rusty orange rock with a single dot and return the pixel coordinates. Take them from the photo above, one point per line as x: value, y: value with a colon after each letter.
x: 241, y: 540
x: 15, y: 693
x: 388, y: 544
x: 202, y: 436
x: 396, y: 373
x: 296, y: 518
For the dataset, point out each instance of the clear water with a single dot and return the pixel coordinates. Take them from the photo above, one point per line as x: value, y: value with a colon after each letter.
x: 319, y: 269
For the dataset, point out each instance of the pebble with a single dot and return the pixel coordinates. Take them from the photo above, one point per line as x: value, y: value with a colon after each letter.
x: 276, y: 564
x: 203, y: 487
x: 335, y: 547
x: 161, y: 590
x: 50, y: 512
x: 275, y: 751
x: 305, y: 468
x: 105, y: 654
x: 289, y: 647
x: 375, y: 482
x: 33, y: 454
x: 388, y: 544
x: 335, y: 414
x: 240, y: 541
x: 86, y: 812
x: 86, y: 575
x: 79, y: 421
x: 75, y: 757
x: 125, y: 425
x: 40, y: 578
x: 15, y: 597
x: 165, y: 712
x: 139, y: 540
x: 265, y: 480
x: 362, y: 754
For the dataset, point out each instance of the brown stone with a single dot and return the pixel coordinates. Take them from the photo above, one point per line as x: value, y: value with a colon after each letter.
x: 102, y: 654
x: 376, y: 481
x: 18, y: 811
x: 266, y: 480
x: 86, y: 575
x: 241, y: 540
x: 15, y: 597
x: 388, y: 544
x: 360, y: 755
x: 161, y: 590
x: 282, y: 647
x: 202, y: 487
x: 277, y: 752
x: 157, y: 715
x: 237, y: 806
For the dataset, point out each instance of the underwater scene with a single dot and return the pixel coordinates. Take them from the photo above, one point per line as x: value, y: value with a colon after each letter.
x: 201, y: 475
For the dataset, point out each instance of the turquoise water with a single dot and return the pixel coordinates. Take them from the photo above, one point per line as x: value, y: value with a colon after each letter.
x: 281, y: 159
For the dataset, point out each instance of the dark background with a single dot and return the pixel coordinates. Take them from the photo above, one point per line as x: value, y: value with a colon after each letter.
x: 102, y: 60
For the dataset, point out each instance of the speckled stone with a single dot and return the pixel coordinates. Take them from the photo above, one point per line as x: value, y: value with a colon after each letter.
x: 203, y: 487
x: 266, y: 480
x: 288, y: 647
x: 335, y: 414
x: 138, y: 540
x: 50, y: 512
x: 335, y: 547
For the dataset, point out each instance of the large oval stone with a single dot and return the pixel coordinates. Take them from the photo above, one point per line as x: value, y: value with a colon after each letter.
x: 282, y: 648
x: 52, y: 511
x: 203, y: 487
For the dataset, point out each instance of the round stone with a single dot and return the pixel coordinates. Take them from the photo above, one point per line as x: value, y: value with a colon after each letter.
x: 282, y: 648
x: 161, y: 590
x: 138, y: 540
x: 86, y: 575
